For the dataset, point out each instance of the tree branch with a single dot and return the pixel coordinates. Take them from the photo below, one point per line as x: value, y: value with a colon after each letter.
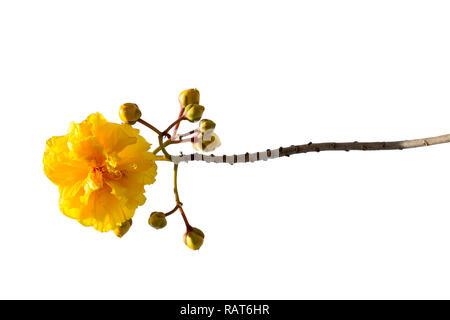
x: 313, y: 147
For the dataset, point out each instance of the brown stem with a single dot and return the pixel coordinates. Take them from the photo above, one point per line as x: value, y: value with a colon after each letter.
x: 168, y: 143
x: 186, y: 134
x: 173, y: 210
x: 186, y: 222
x: 177, y: 197
x: 148, y: 125
x: 365, y: 146
x: 173, y: 124
x: 314, y: 147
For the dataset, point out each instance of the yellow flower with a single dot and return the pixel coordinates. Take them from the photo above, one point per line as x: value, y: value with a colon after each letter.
x: 101, y: 169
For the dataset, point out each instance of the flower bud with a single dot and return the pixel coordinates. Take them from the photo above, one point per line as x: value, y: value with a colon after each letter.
x: 193, y: 112
x: 130, y: 113
x: 190, y: 96
x: 194, y: 238
x: 157, y: 220
x: 120, y: 231
x: 206, y: 125
x: 206, y: 142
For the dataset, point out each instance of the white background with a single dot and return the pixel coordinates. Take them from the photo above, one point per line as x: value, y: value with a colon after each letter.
x: 271, y: 73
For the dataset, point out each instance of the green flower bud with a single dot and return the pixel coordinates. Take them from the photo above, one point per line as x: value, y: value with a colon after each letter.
x: 206, y: 125
x: 130, y: 113
x: 193, y: 112
x: 190, y: 96
x: 157, y: 220
x: 194, y: 238
x: 120, y: 231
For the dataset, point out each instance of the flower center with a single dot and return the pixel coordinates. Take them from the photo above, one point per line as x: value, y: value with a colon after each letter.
x: 107, y: 171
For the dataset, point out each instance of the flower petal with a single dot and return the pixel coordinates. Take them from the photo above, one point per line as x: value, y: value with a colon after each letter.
x: 59, y: 167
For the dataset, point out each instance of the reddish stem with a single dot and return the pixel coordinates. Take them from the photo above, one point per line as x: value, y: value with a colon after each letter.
x: 178, y: 124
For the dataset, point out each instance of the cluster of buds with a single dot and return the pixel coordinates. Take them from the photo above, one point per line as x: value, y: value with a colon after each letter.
x: 203, y: 138
x: 193, y: 238
x: 190, y: 105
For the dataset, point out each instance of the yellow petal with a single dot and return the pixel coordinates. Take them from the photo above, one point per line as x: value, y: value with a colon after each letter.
x: 59, y: 167
x: 104, y: 212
